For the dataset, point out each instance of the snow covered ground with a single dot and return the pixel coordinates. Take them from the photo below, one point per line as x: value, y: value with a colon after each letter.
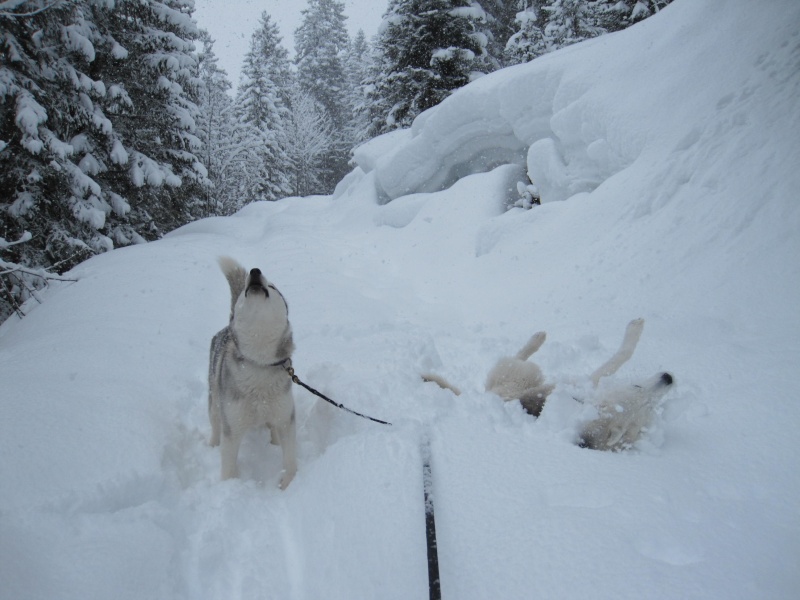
x: 674, y: 147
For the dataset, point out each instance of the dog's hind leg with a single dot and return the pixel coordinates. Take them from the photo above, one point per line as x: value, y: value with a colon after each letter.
x: 532, y: 346
x: 632, y: 334
x: 287, y: 437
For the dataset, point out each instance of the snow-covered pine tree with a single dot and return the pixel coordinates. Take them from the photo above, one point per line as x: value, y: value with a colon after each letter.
x: 262, y: 105
x: 310, y: 136
x: 569, y: 22
x: 547, y: 25
x: 528, y: 41
x: 357, y: 69
x: 321, y: 44
x: 619, y: 14
x: 377, y: 104
x: 151, y: 78
x: 97, y: 127
x: 500, y: 24
x: 216, y: 124
x: 55, y: 137
x: 429, y: 49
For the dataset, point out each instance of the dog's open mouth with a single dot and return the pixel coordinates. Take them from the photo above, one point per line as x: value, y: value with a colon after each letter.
x: 256, y: 286
x: 254, y: 283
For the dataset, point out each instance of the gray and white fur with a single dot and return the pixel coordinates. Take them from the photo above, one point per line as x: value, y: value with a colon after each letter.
x: 248, y: 384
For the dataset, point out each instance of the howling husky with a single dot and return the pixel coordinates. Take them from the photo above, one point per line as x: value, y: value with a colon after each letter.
x: 248, y: 383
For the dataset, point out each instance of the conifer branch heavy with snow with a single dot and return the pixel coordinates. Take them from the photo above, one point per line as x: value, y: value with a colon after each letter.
x: 99, y: 149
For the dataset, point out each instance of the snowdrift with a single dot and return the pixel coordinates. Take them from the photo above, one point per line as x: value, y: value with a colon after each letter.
x: 667, y: 159
x: 578, y: 121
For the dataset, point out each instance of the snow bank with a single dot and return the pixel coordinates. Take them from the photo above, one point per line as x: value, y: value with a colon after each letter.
x: 578, y: 121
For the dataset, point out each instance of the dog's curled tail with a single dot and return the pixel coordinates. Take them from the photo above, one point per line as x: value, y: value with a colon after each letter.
x: 236, y: 276
x: 441, y: 382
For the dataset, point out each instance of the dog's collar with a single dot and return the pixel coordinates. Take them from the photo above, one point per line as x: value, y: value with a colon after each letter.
x: 242, y: 358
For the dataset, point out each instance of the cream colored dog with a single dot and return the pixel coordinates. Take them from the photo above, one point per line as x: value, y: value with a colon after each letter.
x: 622, y: 412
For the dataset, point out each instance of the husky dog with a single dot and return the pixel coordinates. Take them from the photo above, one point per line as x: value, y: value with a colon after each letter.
x: 623, y: 412
x: 247, y: 382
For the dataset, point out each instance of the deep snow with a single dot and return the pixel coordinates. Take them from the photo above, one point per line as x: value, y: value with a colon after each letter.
x: 673, y: 146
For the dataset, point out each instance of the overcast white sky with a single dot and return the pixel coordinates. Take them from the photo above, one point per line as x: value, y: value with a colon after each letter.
x: 232, y: 22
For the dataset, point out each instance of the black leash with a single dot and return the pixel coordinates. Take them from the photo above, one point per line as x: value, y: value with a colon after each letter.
x: 434, y: 585
x: 288, y: 366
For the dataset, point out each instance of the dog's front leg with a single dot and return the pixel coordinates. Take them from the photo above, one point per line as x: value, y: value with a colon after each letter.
x: 229, y: 450
x: 287, y: 437
x: 215, y: 419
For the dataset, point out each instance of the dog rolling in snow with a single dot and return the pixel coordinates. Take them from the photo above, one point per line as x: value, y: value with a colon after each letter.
x: 247, y: 381
x: 623, y: 412
x: 513, y: 378
x: 516, y: 378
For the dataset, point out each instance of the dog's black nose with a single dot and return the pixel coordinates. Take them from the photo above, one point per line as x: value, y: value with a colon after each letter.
x: 666, y: 379
x: 256, y: 282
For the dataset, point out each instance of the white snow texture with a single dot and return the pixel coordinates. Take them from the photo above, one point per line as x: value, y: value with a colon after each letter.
x: 666, y: 156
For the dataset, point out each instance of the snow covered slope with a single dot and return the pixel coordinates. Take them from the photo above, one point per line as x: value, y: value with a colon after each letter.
x: 674, y: 146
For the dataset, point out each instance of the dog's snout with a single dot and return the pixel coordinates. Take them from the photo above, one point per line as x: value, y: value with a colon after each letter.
x: 666, y: 379
x: 256, y: 282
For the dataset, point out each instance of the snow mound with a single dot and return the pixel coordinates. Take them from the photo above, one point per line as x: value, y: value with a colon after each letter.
x: 575, y: 117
